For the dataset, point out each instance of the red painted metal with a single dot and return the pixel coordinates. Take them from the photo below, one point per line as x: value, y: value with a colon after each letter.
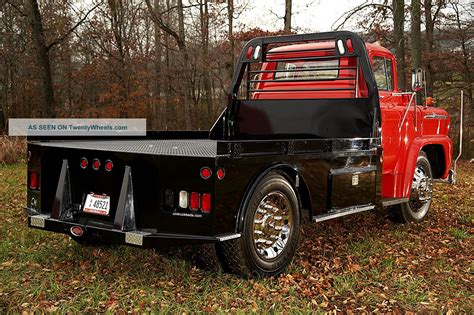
x: 401, y: 144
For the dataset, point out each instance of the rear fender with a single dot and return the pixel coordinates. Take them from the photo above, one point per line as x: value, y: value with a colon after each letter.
x: 294, y: 178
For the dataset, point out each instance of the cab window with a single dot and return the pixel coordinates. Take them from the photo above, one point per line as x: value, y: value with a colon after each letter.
x: 383, y: 73
x: 308, y: 70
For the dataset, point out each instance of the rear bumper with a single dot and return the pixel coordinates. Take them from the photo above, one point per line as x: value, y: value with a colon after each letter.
x: 109, y: 235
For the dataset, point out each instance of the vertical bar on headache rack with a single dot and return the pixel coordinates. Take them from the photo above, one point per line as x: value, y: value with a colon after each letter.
x: 248, y: 80
x: 356, y: 93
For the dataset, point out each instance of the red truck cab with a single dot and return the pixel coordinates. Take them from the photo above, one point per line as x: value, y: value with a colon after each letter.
x: 402, y: 143
x: 402, y: 137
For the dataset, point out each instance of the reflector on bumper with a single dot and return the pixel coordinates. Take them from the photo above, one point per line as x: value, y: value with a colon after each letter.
x: 135, y: 238
x: 37, y: 221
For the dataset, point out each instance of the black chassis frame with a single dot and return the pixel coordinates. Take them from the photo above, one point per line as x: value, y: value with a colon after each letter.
x: 335, y: 167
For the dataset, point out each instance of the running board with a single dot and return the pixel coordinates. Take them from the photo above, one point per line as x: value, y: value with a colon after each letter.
x: 341, y: 212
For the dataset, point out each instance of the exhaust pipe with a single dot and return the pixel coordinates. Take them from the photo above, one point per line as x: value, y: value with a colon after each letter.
x: 460, y: 136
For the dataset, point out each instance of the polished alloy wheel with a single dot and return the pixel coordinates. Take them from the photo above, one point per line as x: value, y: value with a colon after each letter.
x: 272, y: 225
x: 421, y: 192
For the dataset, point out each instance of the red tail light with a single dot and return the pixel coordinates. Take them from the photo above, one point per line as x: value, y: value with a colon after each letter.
x: 206, y: 172
x: 77, y: 231
x: 84, y: 163
x: 96, y: 164
x: 206, y: 203
x: 109, y: 165
x: 194, y: 201
x: 33, y: 180
x: 350, y: 48
x: 220, y: 173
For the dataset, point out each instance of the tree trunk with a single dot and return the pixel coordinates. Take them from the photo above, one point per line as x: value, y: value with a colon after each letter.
x: 429, y: 23
x: 230, y: 18
x: 399, y: 39
x: 158, y: 111
x: 416, y: 34
x: 187, y: 75
x: 117, y: 12
x: 42, y: 56
x: 287, y: 18
x: 204, y: 10
x: 465, y: 56
x: 416, y: 39
x: 170, y: 110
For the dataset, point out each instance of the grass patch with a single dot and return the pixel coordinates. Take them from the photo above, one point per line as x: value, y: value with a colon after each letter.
x: 344, y: 284
x: 411, y: 290
x: 467, y: 219
x: 459, y: 233
x: 371, y: 265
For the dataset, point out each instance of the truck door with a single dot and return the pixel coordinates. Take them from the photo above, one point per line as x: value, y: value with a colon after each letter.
x: 390, y: 100
x: 396, y: 131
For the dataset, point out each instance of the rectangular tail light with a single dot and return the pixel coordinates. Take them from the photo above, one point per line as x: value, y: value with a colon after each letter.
x: 33, y: 180
x: 194, y: 201
x: 206, y: 203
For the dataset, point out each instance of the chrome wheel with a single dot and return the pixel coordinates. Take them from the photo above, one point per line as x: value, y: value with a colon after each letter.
x: 272, y: 225
x: 421, y: 192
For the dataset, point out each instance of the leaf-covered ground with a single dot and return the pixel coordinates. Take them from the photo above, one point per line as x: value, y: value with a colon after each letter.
x: 360, y: 263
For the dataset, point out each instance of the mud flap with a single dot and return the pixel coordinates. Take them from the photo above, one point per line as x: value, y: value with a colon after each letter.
x: 125, y: 215
x: 62, y: 206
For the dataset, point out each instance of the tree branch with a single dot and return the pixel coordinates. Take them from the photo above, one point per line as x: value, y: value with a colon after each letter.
x: 72, y: 29
x: 438, y: 9
x: 15, y: 7
x: 157, y: 19
x: 349, y: 14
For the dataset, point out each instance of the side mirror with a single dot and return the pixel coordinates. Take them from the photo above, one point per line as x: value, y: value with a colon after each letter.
x: 417, y: 80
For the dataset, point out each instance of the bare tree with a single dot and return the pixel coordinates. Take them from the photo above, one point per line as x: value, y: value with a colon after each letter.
x: 158, y: 111
x: 466, y: 55
x: 206, y: 76
x: 180, y: 38
x: 430, y: 21
x: 42, y: 49
x: 287, y: 18
x: 416, y: 37
x: 399, y: 40
x: 42, y: 55
x: 230, y: 30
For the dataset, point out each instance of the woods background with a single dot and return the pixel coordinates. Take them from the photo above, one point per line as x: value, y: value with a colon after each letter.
x: 171, y: 61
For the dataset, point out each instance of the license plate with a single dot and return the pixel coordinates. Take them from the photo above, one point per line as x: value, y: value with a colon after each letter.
x: 97, y: 204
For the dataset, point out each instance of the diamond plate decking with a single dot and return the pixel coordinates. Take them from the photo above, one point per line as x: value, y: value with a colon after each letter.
x: 194, y: 147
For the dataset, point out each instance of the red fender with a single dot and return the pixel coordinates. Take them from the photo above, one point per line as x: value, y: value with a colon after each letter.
x: 406, y: 165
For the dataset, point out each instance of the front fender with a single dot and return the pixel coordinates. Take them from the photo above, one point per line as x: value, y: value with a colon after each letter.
x: 407, y: 166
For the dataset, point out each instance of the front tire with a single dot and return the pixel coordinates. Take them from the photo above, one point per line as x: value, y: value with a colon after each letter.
x: 416, y: 209
x: 270, y: 232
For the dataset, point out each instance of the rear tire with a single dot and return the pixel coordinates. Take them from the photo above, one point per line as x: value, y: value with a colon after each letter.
x: 416, y: 209
x: 270, y: 231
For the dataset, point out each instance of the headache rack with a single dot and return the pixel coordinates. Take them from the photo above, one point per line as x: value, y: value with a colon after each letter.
x: 265, y: 100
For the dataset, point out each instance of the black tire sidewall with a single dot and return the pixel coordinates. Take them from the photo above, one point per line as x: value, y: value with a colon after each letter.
x: 259, y: 267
